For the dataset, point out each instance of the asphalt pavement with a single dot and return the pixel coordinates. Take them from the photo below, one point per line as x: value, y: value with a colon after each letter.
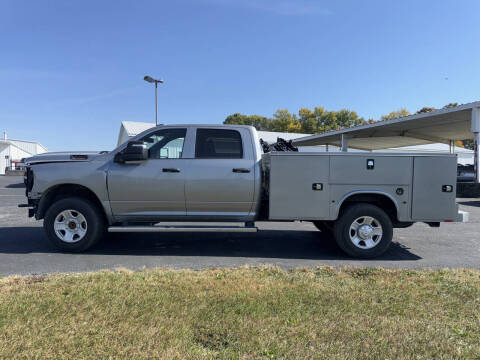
x: 24, y: 249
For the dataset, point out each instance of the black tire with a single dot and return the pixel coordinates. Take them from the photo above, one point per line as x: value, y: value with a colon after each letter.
x: 373, y: 245
x: 91, y: 225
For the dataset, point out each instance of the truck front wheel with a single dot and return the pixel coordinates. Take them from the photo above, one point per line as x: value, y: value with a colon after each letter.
x: 363, y: 231
x: 74, y: 224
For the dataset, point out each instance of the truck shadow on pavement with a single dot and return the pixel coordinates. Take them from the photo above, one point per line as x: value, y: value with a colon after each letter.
x: 287, y: 244
x: 15, y: 186
x: 470, y: 203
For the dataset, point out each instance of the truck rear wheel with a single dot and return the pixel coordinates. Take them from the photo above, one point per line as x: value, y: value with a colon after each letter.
x: 74, y: 224
x: 363, y: 231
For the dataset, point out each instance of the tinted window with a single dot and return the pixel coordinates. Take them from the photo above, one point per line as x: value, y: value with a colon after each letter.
x: 218, y: 143
x: 166, y: 143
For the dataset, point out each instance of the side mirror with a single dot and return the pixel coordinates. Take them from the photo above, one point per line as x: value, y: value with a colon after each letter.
x: 135, y: 151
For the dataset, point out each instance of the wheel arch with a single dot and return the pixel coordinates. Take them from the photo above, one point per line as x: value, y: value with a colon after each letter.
x: 61, y: 191
x: 379, y: 198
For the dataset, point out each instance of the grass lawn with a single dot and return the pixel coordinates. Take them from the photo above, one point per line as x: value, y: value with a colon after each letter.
x: 245, y: 313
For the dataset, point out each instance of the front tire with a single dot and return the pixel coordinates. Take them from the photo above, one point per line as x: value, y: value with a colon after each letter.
x: 74, y: 224
x: 363, y: 231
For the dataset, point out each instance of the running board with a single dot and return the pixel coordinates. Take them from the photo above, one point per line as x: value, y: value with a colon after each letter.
x: 151, y: 229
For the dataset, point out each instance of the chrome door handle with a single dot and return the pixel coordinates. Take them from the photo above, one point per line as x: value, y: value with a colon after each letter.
x: 171, y: 170
x: 239, y: 170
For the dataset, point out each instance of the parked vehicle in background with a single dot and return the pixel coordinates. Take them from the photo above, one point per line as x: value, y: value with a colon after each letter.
x: 16, y: 168
x: 218, y: 173
x: 20, y: 165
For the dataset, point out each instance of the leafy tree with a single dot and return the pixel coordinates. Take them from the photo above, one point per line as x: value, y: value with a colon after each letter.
x: 284, y: 121
x: 450, y: 105
x: 328, y: 121
x: 425, y: 109
x: 396, y: 114
x: 259, y: 122
x: 347, y: 118
x: 308, y: 121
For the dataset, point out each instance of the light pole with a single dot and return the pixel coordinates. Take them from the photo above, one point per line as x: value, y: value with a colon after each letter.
x: 152, y: 80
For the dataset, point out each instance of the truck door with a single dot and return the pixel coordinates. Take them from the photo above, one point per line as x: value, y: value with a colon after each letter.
x: 220, y: 180
x: 155, y: 187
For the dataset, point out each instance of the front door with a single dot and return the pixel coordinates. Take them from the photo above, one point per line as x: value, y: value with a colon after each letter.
x: 155, y: 187
x: 220, y: 180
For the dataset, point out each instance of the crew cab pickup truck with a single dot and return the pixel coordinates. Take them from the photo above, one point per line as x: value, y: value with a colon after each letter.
x: 219, y: 173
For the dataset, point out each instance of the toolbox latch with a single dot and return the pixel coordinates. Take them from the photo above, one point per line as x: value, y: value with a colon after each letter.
x: 370, y: 164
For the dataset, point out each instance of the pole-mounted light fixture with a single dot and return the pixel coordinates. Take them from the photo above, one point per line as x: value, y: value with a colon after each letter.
x: 159, y: 81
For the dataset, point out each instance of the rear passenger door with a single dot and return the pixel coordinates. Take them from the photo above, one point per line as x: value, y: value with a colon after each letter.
x: 220, y: 180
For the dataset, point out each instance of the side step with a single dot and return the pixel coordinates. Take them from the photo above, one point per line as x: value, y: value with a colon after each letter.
x: 151, y: 229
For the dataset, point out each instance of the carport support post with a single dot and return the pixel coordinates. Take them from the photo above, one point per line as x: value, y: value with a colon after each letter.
x: 476, y: 154
x: 344, y: 143
x: 476, y: 137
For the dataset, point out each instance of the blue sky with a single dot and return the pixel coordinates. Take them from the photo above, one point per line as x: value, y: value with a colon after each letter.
x: 71, y: 71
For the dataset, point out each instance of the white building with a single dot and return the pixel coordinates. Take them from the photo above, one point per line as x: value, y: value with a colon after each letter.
x: 129, y: 129
x: 12, y: 151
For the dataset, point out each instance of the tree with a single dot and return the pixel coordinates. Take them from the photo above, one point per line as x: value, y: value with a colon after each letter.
x: 259, y: 122
x: 347, y: 118
x: 308, y: 121
x: 425, y: 109
x: 396, y: 114
x: 283, y: 121
x: 328, y: 121
x: 449, y: 105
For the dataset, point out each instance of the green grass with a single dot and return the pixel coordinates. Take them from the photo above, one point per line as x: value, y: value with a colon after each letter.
x: 245, y: 313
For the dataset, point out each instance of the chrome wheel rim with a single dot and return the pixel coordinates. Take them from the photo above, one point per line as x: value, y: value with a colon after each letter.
x: 70, y: 226
x: 366, y: 232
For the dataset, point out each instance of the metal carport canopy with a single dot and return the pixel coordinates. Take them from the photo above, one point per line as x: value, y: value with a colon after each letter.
x: 438, y: 126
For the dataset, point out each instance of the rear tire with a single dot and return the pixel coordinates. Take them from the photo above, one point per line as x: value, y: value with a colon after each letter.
x: 363, y: 231
x: 74, y: 224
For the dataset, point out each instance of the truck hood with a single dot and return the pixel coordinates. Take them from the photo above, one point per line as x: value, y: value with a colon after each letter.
x: 76, y: 156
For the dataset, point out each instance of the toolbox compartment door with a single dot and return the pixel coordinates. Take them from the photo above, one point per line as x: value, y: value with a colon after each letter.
x: 430, y: 200
x: 299, y: 188
x: 385, y: 170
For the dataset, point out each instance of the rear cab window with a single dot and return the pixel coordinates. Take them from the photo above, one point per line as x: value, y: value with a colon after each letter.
x: 218, y: 144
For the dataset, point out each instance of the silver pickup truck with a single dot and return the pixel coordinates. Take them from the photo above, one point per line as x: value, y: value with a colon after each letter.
x: 215, y: 173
